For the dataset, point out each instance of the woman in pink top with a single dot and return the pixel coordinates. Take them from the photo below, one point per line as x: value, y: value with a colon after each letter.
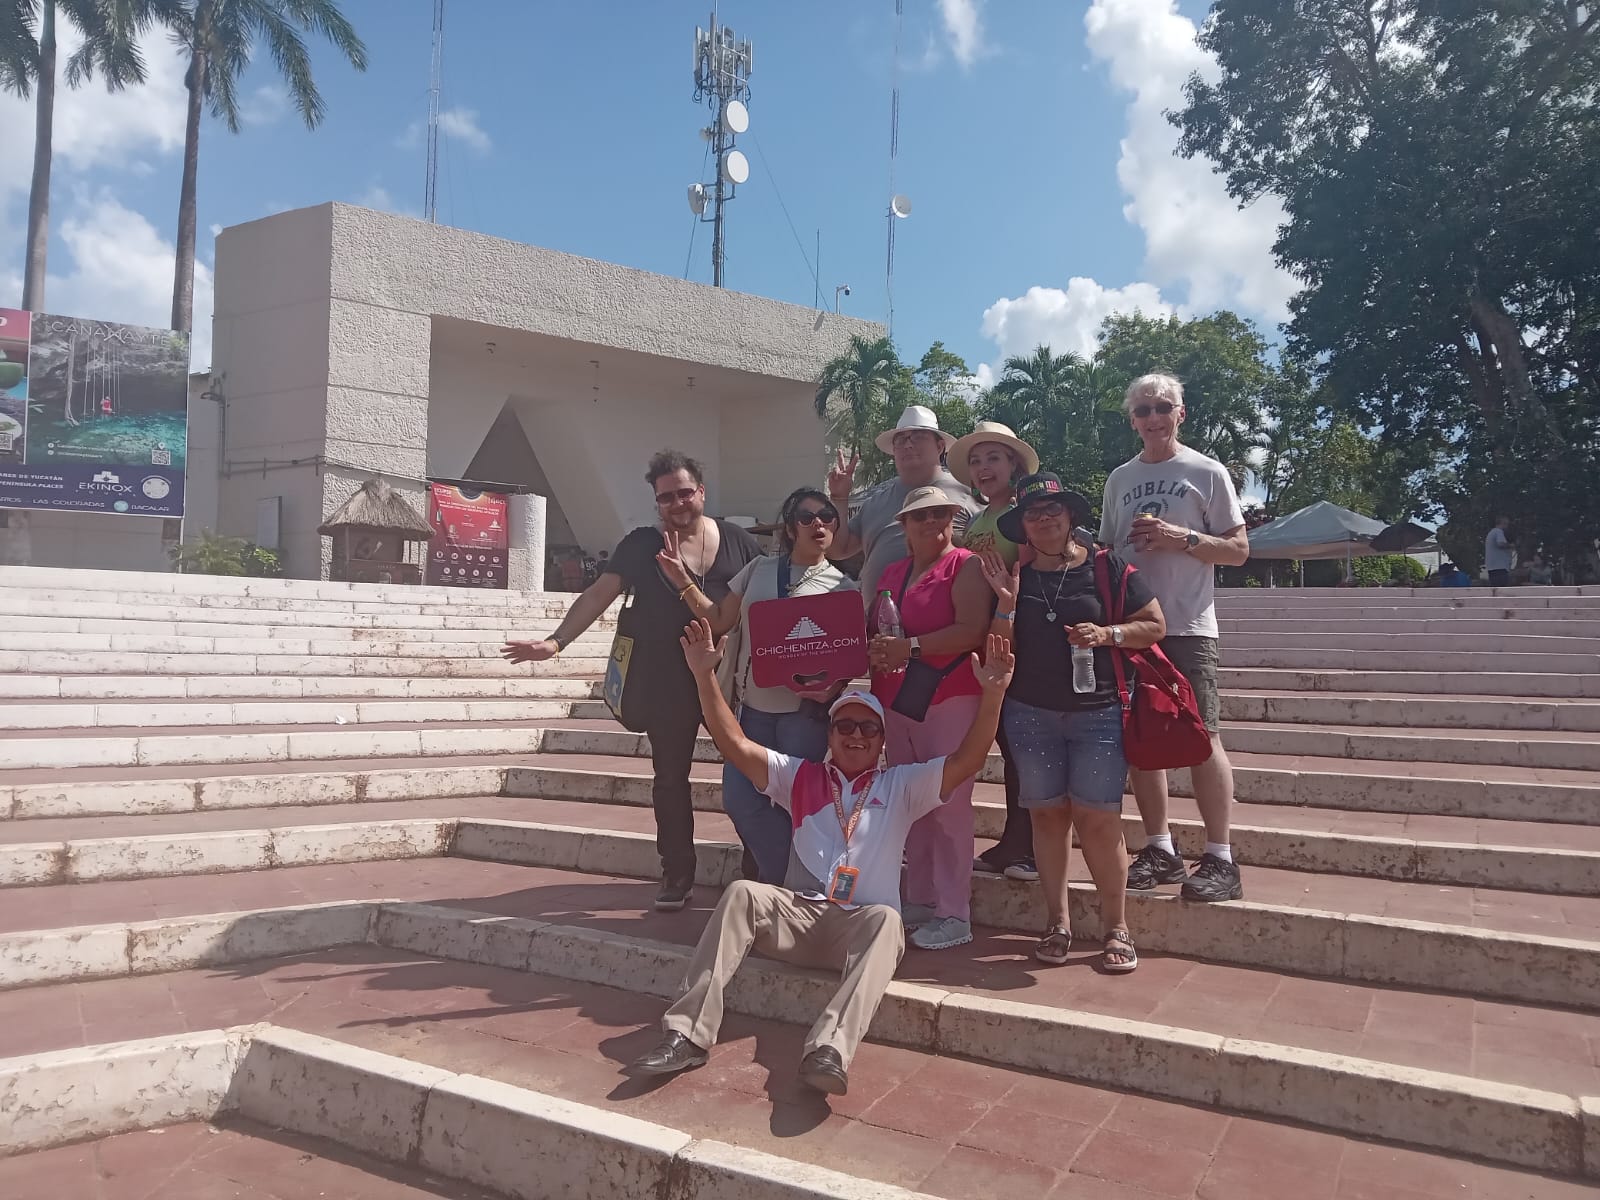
x: 945, y: 607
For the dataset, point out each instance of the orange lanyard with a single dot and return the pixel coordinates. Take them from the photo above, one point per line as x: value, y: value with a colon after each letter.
x: 848, y: 826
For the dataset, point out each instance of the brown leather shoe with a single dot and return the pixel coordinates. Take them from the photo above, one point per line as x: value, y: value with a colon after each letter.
x: 823, y: 1070
x: 674, y: 1053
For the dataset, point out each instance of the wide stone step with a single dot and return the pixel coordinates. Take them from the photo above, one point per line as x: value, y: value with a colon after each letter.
x: 447, y: 630
x: 1430, y: 683
x: 93, y: 688
x: 1454, y: 661
x: 173, y: 714
x: 1509, y: 642
x: 1465, y: 789
x: 157, y: 609
x: 1585, y: 594
x: 1412, y: 712
x: 344, y: 1059
x: 425, y: 662
x: 387, y: 646
x: 1403, y: 628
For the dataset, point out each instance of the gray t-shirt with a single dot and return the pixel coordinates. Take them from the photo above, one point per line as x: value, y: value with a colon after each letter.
x: 759, y: 581
x: 1497, y: 551
x: 883, y: 541
x: 1189, y: 490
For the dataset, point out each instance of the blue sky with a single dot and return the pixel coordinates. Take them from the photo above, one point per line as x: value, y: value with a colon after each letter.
x: 1045, y: 190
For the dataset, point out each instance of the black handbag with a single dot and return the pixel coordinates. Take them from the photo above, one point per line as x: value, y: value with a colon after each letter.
x: 919, y: 685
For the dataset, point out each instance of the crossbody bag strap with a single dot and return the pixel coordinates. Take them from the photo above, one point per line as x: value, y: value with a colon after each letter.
x: 1113, y: 611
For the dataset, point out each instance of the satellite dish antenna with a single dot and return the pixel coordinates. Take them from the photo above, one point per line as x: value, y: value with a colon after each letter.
x: 735, y: 167
x: 697, y: 198
x: 900, y: 206
x: 735, y: 116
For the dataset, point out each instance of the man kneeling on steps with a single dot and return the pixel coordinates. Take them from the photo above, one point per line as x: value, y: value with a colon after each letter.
x: 840, y: 906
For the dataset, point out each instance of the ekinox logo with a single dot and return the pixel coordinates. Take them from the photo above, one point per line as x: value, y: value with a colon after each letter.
x: 106, y: 481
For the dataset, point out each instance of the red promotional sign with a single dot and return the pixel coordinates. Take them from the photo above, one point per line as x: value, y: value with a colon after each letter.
x: 468, y: 547
x: 807, y: 643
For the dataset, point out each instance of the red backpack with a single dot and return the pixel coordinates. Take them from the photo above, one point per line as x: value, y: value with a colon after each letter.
x: 1161, y: 725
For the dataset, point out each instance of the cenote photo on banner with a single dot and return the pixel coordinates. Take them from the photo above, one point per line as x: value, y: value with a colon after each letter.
x: 103, y: 411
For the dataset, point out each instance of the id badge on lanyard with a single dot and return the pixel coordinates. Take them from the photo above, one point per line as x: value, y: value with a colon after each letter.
x: 842, y: 889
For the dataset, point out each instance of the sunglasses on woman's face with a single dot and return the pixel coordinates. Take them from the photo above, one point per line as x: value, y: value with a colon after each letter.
x: 849, y: 725
x: 930, y: 514
x: 1038, y: 512
x: 1144, y: 410
x: 677, y: 497
x: 810, y: 516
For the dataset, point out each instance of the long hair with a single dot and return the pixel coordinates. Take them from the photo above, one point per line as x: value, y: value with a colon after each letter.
x: 789, y: 513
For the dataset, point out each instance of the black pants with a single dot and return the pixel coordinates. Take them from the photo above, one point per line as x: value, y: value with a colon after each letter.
x: 1016, y: 839
x: 1499, y: 578
x: 672, y: 738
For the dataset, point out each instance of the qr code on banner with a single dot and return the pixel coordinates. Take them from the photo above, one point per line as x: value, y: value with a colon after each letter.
x: 161, y: 458
x: 7, y: 441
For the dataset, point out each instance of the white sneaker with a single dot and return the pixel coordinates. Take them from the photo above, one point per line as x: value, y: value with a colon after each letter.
x: 941, y: 934
x: 915, y: 915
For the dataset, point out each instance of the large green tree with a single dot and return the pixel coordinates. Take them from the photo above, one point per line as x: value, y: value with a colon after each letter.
x: 219, y: 38
x: 854, y: 391
x: 1437, y: 161
x: 109, y: 31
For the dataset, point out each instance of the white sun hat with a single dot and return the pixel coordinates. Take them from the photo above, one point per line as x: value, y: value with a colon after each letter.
x: 916, y: 417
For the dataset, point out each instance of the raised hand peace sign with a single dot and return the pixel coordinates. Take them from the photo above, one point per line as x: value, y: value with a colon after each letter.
x: 842, y: 476
x: 670, y: 558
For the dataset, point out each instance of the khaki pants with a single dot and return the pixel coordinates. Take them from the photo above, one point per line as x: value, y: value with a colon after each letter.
x: 864, y: 943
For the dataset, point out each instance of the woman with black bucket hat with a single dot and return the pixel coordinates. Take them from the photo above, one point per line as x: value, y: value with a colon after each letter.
x: 1066, y: 734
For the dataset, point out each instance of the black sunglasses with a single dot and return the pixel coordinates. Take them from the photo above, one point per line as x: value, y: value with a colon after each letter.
x: 810, y: 516
x: 849, y: 725
x: 1144, y: 410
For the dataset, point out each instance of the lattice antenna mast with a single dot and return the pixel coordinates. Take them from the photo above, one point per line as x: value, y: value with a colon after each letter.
x: 898, y: 205
x: 722, y: 67
x: 430, y: 196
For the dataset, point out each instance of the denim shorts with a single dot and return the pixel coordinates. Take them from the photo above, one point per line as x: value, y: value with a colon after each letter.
x: 1067, y: 757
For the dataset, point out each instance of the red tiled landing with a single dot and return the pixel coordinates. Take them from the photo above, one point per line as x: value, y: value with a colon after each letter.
x: 236, y: 1161
x: 945, y: 1126
x: 1527, y: 1044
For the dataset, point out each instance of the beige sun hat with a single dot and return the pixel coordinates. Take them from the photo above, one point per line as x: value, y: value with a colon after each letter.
x: 931, y: 496
x: 916, y: 417
x: 990, y: 431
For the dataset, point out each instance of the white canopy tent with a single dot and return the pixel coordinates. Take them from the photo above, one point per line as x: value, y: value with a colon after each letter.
x: 1321, y: 531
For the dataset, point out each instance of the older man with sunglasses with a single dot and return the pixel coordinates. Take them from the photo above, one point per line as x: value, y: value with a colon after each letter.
x: 917, y: 445
x: 1174, y: 514
x: 839, y: 908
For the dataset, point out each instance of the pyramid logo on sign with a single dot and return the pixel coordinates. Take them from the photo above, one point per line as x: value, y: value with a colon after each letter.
x: 805, y: 628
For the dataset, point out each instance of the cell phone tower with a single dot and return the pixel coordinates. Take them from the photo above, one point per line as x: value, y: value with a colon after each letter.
x: 722, y: 81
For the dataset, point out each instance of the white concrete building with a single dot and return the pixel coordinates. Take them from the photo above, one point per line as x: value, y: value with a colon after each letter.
x: 350, y: 343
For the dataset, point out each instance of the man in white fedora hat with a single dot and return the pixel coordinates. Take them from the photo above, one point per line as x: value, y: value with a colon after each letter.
x: 917, y: 445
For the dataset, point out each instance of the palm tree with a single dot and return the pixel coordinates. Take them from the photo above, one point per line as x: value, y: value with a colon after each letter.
x: 859, y: 381
x: 109, y: 29
x: 1040, y: 396
x: 218, y: 37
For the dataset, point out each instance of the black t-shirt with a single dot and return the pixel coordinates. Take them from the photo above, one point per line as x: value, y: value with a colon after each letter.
x: 1043, y: 676
x: 659, y: 615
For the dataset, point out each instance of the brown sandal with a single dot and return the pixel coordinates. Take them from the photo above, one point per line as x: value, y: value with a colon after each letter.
x: 1054, y: 946
x: 1119, y: 943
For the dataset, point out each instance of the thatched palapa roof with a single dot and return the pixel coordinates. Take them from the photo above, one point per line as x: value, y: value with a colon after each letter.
x: 375, y: 506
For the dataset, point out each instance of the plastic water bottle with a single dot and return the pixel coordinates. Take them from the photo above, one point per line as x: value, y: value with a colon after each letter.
x: 886, y: 616
x: 1082, y: 669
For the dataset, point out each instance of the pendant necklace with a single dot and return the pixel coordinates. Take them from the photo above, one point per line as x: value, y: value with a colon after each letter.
x: 1051, y: 603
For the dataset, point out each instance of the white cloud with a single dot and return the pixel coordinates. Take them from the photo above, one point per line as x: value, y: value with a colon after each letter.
x: 459, y: 123
x: 265, y: 105
x: 1196, y: 237
x: 963, y: 26
x: 1063, y: 320
x: 379, y: 197
x: 122, y: 271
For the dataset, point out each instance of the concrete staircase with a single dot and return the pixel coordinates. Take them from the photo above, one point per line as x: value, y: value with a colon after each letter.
x: 334, y: 809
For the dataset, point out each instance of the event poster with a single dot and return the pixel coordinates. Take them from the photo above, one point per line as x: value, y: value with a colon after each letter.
x: 468, y: 547
x: 94, y: 415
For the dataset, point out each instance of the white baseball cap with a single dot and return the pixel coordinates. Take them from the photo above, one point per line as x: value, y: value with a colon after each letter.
x: 857, y: 697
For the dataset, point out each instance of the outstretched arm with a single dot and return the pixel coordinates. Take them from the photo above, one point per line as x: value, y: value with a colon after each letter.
x: 994, y: 674
x: 585, y: 611
x: 749, y: 759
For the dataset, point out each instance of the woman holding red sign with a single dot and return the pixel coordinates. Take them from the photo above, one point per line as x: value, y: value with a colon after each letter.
x: 923, y: 676
x: 774, y: 717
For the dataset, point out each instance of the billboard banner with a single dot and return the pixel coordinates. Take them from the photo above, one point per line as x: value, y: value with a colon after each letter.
x: 468, y: 547
x: 94, y: 415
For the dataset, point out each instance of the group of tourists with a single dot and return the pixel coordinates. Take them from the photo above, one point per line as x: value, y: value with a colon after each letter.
x: 1013, y: 624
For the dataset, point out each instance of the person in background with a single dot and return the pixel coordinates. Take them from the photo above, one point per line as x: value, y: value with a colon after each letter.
x: 840, y: 906
x: 1067, y: 743
x: 917, y: 445
x: 1498, y: 555
x: 944, y: 612
x: 1174, y: 513
x: 711, y: 552
x: 776, y: 717
x: 1452, y: 576
x: 990, y: 460
x: 1540, y: 573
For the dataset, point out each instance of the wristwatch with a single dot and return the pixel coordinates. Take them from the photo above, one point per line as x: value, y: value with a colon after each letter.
x: 1116, y: 635
x: 916, y: 648
x: 1192, y: 541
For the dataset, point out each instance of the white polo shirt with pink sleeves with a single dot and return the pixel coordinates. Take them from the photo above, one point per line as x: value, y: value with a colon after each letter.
x: 897, y: 797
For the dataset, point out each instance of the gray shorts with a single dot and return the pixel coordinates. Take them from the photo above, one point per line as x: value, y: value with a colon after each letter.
x: 1197, y: 658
